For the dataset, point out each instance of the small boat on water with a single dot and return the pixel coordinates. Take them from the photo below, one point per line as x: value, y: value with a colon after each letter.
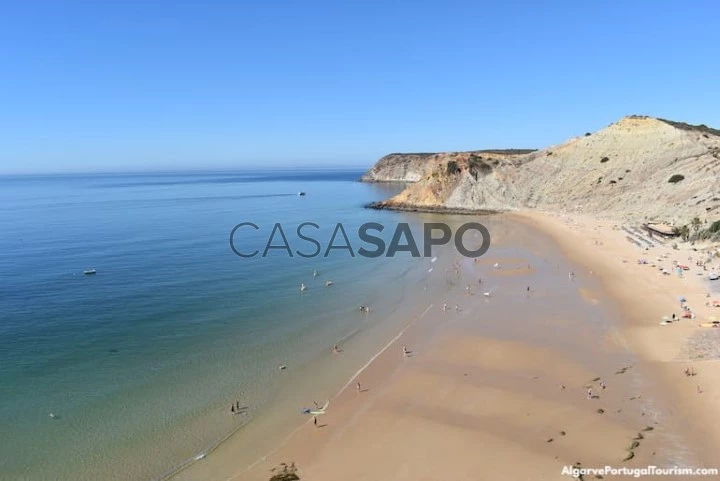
x: 90, y: 272
x: 301, y: 193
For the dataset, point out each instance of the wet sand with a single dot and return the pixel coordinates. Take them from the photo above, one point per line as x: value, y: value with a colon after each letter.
x: 499, y: 388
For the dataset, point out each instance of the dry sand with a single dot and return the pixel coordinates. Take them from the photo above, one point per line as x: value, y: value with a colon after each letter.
x: 488, y: 397
x: 645, y: 295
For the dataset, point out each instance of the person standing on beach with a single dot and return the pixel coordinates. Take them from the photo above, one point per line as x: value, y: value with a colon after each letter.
x: 232, y: 408
x: 359, y: 388
x: 315, y: 421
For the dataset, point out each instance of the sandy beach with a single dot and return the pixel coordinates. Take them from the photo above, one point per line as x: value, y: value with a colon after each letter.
x: 645, y: 295
x: 517, y: 384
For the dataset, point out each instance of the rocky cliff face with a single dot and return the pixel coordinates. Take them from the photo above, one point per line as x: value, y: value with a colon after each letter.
x: 622, y: 172
x: 400, y: 168
x: 414, y: 167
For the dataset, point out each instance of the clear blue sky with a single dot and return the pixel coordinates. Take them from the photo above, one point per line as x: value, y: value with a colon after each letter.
x: 187, y: 85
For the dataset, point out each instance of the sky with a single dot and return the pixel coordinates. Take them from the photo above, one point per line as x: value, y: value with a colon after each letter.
x: 135, y: 86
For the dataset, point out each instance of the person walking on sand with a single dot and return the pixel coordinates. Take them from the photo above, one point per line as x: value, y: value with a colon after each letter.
x: 405, y: 351
x: 589, y: 394
x: 315, y: 421
x: 359, y: 388
x: 232, y: 408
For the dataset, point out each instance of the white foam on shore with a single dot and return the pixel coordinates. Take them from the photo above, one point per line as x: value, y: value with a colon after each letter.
x: 392, y: 341
x: 350, y: 381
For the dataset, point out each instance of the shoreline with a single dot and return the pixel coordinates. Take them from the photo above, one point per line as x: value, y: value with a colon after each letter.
x: 385, y: 372
x: 354, y: 348
x: 347, y: 420
x: 384, y: 205
x: 342, y: 389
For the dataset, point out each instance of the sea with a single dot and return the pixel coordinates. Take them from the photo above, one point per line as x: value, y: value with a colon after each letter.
x: 130, y: 373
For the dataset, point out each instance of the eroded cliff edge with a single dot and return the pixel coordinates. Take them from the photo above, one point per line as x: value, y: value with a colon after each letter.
x: 639, y: 168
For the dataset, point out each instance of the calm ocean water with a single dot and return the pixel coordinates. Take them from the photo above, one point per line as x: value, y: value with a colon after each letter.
x: 140, y: 362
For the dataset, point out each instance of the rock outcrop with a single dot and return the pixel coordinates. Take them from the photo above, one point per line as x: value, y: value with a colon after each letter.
x: 413, y: 167
x: 400, y: 168
x: 639, y: 168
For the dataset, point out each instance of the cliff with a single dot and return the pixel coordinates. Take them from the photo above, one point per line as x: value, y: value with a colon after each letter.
x: 639, y: 168
x: 413, y: 167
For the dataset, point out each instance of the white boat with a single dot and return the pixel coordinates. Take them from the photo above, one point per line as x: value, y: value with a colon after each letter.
x: 713, y: 276
x: 90, y: 272
x: 301, y: 193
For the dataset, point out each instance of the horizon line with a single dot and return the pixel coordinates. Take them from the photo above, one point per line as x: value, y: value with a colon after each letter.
x: 210, y: 170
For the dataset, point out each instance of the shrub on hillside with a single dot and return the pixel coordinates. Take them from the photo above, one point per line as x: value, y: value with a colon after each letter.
x: 676, y: 178
x: 604, y: 159
x: 452, y: 167
x: 478, y: 166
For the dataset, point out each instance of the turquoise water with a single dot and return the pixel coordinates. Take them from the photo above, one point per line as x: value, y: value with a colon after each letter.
x: 140, y: 362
